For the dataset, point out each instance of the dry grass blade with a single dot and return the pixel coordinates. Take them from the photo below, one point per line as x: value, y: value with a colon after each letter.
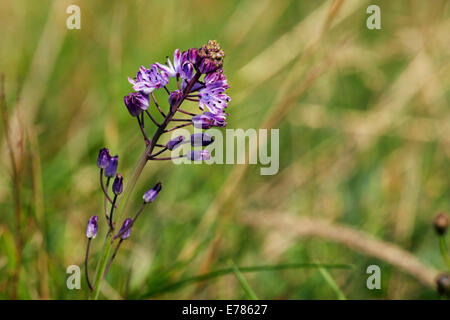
x: 16, y: 178
x: 353, y: 239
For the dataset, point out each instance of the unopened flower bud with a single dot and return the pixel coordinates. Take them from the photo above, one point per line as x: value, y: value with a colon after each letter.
x: 126, y: 226
x: 187, y: 70
x: 136, y: 102
x: 117, y: 186
x: 207, y: 66
x: 175, y: 98
x: 174, y: 143
x: 441, y: 223
x: 103, y: 158
x: 92, y: 227
x: 199, y: 155
x: 443, y: 284
x: 111, y: 168
x: 201, y: 139
x: 151, y: 194
x: 193, y: 56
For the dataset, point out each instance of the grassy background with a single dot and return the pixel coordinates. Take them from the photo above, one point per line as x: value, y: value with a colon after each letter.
x: 364, y: 142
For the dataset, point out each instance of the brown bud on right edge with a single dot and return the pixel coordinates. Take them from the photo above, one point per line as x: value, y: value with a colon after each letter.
x: 443, y: 284
x: 440, y: 223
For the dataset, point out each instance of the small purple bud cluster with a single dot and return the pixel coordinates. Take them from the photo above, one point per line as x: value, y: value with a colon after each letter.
x: 108, y: 167
x: 107, y: 162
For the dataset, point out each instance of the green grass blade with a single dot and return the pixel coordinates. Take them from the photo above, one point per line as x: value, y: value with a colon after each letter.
x: 333, y: 285
x: 221, y: 272
x: 443, y: 250
x: 243, y: 282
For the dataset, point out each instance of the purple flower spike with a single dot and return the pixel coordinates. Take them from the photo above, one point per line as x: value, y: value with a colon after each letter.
x: 103, y: 158
x: 174, y: 143
x: 175, y: 97
x: 111, y: 168
x: 207, y: 120
x: 117, y: 186
x: 151, y: 194
x: 199, y: 155
x: 136, y: 102
x: 92, y: 227
x: 126, y: 226
x: 147, y: 80
x: 201, y: 139
x: 181, y: 67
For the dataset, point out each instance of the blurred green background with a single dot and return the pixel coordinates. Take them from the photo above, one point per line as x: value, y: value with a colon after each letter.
x: 364, y: 145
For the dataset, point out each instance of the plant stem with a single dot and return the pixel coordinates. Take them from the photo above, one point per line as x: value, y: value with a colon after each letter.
x: 443, y: 248
x: 243, y: 282
x: 101, y: 266
x: 111, y: 225
x: 132, y: 182
x: 86, y: 270
x: 121, y: 232
x: 105, y: 190
x: 333, y: 285
x: 112, y: 258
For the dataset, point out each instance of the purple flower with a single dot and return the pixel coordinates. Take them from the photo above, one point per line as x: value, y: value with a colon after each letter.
x: 127, y: 224
x: 212, y: 95
x: 148, y: 80
x: 136, y: 102
x: 207, y: 120
x: 199, y: 155
x: 175, y: 142
x: 92, y: 227
x: 181, y: 67
x: 103, y: 158
x: 151, y: 194
x: 117, y: 186
x: 111, y: 168
x: 201, y: 139
x: 175, y: 98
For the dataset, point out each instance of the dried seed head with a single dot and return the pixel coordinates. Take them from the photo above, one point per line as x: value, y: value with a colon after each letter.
x: 440, y: 223
x: 211, y: 55
x: 443, y: 284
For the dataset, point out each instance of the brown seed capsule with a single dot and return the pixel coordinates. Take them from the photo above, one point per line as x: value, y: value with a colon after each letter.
x: 441, y: 223
x: 443, y: 284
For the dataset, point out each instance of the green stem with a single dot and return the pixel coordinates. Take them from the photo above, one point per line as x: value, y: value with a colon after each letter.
x: 101, y: 267
x: 443, y: 248
x: 333, y: 285
x: 243, y: 282
x: 132, y: 183
x: 122, y: 204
